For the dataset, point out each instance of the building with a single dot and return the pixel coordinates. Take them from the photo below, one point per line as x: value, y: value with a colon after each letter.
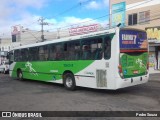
x: 5, y: 46
x: 141, y: 14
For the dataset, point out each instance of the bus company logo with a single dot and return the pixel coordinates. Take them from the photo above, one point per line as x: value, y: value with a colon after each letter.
x: 129, y: 39
x: 21, y: 115
x: 6, y: 114
x: 31, y: 69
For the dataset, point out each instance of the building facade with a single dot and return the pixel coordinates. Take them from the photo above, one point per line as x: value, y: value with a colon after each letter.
x: 5, y: 46
x: 143, y: 14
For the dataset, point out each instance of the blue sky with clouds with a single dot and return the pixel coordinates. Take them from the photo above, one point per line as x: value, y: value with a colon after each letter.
x: 58, y: 13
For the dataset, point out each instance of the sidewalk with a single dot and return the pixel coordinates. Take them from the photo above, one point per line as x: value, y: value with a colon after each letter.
x: 152, y: 71
x: 154, y: 75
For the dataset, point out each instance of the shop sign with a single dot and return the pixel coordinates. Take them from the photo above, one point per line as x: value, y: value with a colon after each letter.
x: 118, y: 14
x: 83, y: 29
x: 153, y: 34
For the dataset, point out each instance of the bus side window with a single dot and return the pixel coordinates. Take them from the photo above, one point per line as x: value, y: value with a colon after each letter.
x: 59, y: 52
x: 92, y: 49
x: 86, y: 52
x: 17, y: 55
x: 72, y: 50
x: 43, y: 53
x: 24, y: 54
x: 52, y: 54
x: 77, y: 50
x: 33, y: 54
x: 56, y: 52
x: 107, y: 48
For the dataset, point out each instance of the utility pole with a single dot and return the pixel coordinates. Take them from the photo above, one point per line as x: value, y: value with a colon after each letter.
x: 42, y: 23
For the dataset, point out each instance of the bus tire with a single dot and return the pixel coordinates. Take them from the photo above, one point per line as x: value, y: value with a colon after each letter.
x: 69, y: 81
x: 19, y: 75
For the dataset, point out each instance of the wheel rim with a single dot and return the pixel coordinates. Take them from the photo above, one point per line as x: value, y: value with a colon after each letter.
x: 69, y: 82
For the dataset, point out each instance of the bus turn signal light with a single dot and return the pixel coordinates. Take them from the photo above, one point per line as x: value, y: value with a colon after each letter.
x: 120, y: 68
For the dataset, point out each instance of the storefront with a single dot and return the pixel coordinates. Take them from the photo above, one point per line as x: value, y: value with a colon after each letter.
x: 153, y: 35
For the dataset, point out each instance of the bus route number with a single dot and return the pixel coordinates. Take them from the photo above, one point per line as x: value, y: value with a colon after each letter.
x: 68, y: 65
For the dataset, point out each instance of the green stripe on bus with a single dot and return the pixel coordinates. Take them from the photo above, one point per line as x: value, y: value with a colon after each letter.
x: 49, y: 70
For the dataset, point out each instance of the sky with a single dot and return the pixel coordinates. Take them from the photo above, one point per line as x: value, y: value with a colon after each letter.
x: 58, y: 13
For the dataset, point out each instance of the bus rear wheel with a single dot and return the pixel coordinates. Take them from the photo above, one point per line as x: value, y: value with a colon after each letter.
x: 20, y: 75
x: 69, y: 81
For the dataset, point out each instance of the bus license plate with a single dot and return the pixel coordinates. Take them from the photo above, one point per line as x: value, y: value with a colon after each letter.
x: 135, y: 71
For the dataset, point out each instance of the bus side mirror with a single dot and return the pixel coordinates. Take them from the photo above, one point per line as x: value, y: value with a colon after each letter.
x: 119, y: 25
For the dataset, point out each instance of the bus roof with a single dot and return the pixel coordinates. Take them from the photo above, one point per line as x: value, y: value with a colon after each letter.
x: 93, y: 34
x: 136, y: 29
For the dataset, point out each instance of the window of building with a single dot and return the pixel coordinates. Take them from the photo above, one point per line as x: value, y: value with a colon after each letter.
x: 132, y: 19
x: 144, y: 17
x: 13, y: 38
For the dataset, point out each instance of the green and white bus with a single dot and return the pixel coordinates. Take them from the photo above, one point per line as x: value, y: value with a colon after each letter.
x: 109, y: 59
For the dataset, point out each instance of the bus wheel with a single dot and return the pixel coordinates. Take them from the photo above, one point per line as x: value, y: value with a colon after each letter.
x: 20, y: 75
x: 69, y: 81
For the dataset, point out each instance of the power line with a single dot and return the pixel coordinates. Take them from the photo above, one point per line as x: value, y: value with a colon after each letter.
x: 42, y: 23
x: 71, y: 8
x: 94, y: 18
x: 140, y: 23
x: 63, y: 12
x: 120, y: 10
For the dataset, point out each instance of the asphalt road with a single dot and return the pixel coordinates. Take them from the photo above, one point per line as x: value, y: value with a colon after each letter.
x: 28, y: 95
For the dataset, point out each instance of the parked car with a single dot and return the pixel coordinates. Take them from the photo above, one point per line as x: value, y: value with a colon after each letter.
x: 4, y: 68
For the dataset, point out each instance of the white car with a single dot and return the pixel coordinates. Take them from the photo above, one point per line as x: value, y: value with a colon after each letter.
x: 4, y: 68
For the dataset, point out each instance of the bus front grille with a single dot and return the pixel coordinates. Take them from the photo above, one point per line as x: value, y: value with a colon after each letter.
x: 101, y: 78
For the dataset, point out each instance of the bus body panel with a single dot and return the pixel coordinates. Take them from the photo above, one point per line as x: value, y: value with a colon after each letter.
x: 122, y: 83
x: 85, y: 76
x: 49, y: 70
